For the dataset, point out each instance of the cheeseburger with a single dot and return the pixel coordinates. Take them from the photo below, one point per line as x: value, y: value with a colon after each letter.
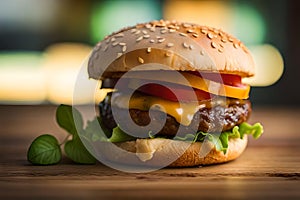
x: 177, y: 95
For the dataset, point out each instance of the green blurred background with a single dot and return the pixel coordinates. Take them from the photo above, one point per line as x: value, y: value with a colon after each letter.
x: 43, y: 42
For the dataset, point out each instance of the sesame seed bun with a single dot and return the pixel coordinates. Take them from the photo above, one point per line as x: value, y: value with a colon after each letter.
x: 158, y: 151
x: 180, y: 46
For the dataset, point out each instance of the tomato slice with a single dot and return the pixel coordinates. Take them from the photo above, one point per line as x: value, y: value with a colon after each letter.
x: 174, y: 92
x: 227, y: 79
x: 197, y: 82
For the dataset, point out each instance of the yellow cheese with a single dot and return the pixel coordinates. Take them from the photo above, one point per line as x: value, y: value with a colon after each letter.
x: 182, y: 112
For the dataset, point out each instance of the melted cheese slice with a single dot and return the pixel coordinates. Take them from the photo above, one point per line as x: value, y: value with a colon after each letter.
x: 145, y: 149
x: 182, y: 112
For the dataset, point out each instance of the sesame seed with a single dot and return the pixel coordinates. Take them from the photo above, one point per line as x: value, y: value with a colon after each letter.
x: 141, y: 60
x: 201, y: 52
x: 152, y: 29
x: 190, y: 31
x: 144, y: 32
x: 170, y: 44
x: 133, y: 30
x: 115, y: 44
x: 245, y: 50
x: 191, y: 47
x: 220, y: 50
x: 124, y: 48
x: 195, y: 35
x: 186, y: 25
x: 236, y: 45
x: 216, y: 31
x: 137, y: 32
x: 160, y: 40
x: 161, y: 25
x: 148, y: 49
x: 172, y: 30
x: 185, y: 45
x: 97, y: 47
x: 221, y: 34
x: 167, y: 54
x: 243, y: 47
x: 224, y: 40
x: 151, y: 41
x: 146, y: 36
x: 119, y: 35
x: 182, y: 34
x: 122, y: 43
x: 230, y: 39
x: 210, y: 35
x: 119, y: 55
x: 204, y: 31
x: 105, y: 48
x: 113, y: 39
x: 163, y: 31
x: 214, y: 45
x: 139, y: 38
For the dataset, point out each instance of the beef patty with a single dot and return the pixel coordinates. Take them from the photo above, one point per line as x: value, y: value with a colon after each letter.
x: 222, y: 116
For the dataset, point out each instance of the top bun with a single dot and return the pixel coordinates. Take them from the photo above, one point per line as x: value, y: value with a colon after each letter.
x: 179, y: 46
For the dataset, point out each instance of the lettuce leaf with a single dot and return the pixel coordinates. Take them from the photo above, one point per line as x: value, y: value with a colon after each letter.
x: 255, y: 130
x: 221, y: 140
x: 120, y: 136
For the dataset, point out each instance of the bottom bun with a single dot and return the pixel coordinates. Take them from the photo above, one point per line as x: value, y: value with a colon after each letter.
x: 191, y: 156
x: 172, y: 153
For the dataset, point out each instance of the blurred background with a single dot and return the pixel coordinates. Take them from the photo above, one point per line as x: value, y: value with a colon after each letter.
x: 43, y: 43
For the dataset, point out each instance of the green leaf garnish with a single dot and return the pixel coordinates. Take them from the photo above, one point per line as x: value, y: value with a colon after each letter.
x: 71, y: 120
x: 93, y: 131
x: 77, y: 152
x: 44, y: 150
x: 67, y: 117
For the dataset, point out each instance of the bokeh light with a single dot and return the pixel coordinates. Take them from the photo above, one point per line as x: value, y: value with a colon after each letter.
x: 110, y: 16
x: 61, y: 65
x: 34, y: 69
x: 22, y: 81
x: 248, y: 24
x: 269, y: 65
x: 241, y: 20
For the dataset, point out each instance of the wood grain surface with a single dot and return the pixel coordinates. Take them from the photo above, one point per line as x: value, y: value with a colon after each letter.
x: 269, y: 168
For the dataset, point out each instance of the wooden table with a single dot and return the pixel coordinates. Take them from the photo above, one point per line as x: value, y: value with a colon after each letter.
x: 269, y: 168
